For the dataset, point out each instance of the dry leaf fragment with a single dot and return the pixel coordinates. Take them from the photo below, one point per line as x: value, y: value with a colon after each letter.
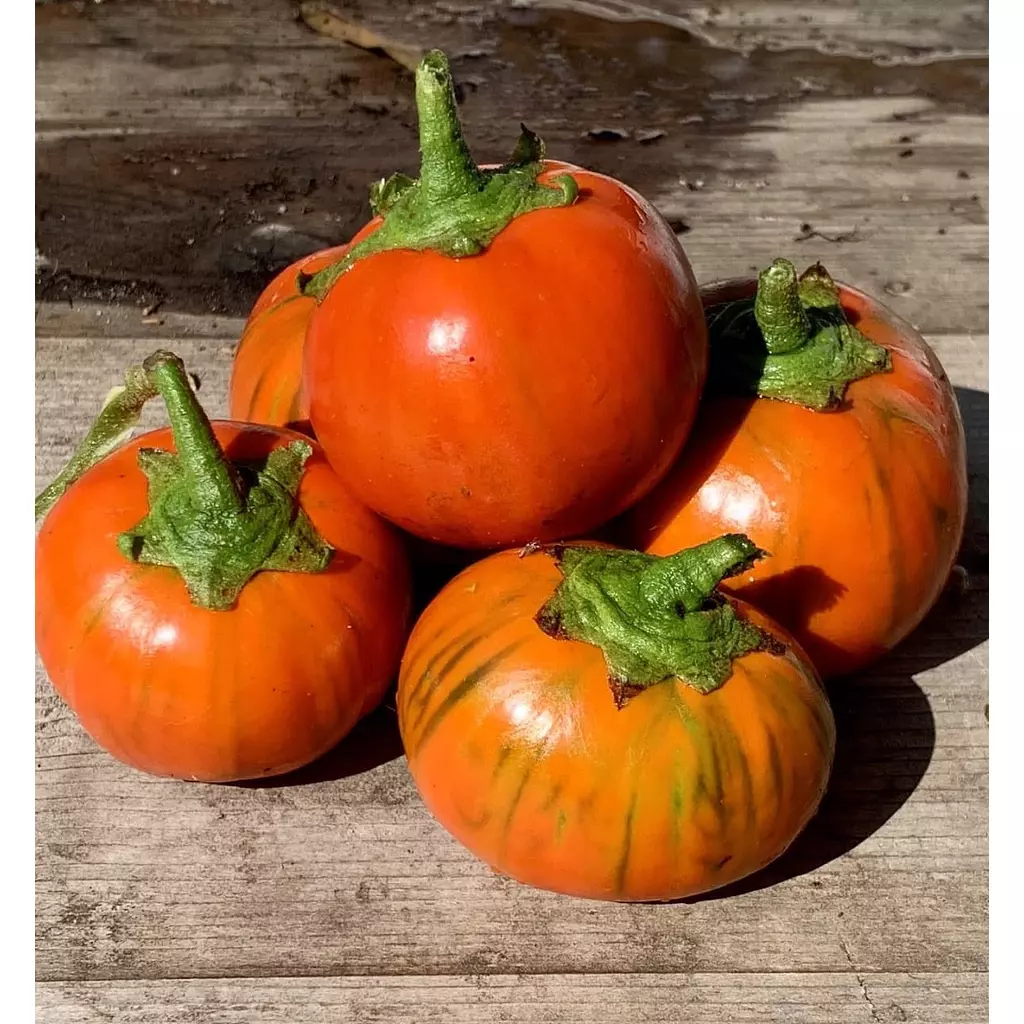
x: 324, y: 19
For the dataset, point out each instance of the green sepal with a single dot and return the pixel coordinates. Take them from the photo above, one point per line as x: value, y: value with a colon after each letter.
x: 217, y: 551
x: 113, y: 426
x: 386, y: 192
x: 791, y: 341
x: 655, y: 618
x: 216, y: 522
x: 529, y: 149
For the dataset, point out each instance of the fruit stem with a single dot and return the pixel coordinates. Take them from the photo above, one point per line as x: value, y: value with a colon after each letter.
x: 784, y: 322
x: 214, y: 484
x: 446, y: 167
x: 201, y: 520
x: 791, y: 341
x: 688, y: 578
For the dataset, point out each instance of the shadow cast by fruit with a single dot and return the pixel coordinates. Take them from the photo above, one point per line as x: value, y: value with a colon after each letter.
x: 885, y: 739
x: 886, y: 736
x: 373, y: 742
x: 796, y: 596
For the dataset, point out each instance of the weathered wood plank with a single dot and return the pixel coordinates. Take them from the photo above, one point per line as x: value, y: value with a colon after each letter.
x: 139, y: 877
x: 349, y: 875
x: 867, y: 28
x: 915, y: 28
x: 552, y: 999
x: 118, y: 319
x: 191, y: 172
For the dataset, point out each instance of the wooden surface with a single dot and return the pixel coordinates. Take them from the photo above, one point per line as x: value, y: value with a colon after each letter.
x: 187, y: 149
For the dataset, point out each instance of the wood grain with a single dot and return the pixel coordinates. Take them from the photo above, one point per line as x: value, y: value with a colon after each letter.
x: 347, y: 874
x: 914, y: 29
x: 885, y: 998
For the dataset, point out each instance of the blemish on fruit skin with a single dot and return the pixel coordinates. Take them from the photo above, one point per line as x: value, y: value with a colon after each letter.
x: 560, y: 825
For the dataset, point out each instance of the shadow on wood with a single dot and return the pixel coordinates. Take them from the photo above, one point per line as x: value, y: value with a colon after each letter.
x: 226, y: 166
x: 885, y: 739
x: 374, y: 741
x: 886, y: 735
x: 974, y: 410
x: 885, y: 726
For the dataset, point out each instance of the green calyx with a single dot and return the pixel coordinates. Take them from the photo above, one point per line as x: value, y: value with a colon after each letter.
x: 653, y: 617
x: 455, y: 207
x: 215, y: 522
x: 791, y: 341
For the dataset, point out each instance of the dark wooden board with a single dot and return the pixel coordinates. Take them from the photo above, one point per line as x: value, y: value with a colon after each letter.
x: 188, y: 150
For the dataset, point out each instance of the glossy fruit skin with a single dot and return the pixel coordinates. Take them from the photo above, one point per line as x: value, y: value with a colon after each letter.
x: 517, y: 749
x: 217, y: 696
x: 862, y: 510
x: 530, y: 392
x: 266, y: 375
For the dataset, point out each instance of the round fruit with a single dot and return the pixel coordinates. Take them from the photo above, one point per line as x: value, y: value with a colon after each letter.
x: 211, y: 619
x: 509, y: 354
x: 850, y: 468
x: 266, y: 375
x: 603, y: 724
